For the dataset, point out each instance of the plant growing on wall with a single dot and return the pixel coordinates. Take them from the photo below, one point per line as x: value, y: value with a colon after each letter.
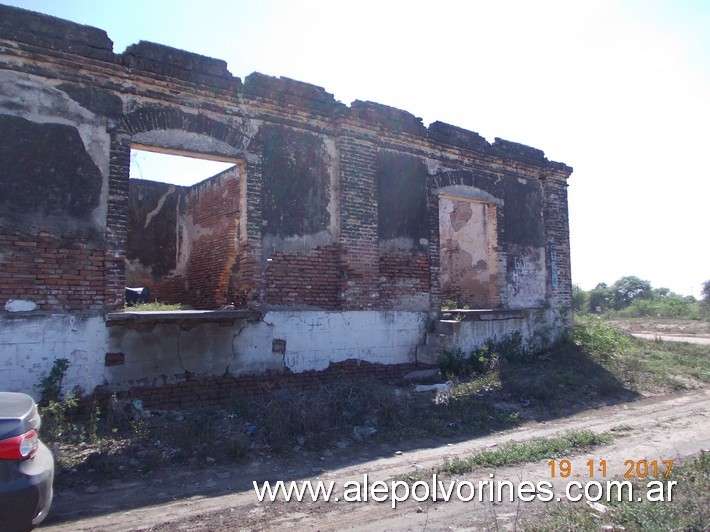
x: 50, y: 387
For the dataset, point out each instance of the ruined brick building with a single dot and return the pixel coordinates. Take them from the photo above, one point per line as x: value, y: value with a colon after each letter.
x: 334, y: 237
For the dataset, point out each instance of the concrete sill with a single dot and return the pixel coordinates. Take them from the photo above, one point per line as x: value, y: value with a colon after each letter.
x: 193, y: 317
x: 488, y: 314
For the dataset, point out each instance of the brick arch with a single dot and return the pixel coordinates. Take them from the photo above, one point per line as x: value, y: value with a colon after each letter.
x: 461, y: 178
x: 159, y: 118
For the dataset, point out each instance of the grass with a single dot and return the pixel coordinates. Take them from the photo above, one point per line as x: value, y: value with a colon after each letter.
x: 689, y: 509
x: 529, y: 451
x: 155, y: 306
x: 669, y: 365
x: 514, y: 453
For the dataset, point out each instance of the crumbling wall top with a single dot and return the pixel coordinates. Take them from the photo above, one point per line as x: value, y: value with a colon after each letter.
x: 456, y: 136
x: 49, y: 32
x: 389, y: 118
x: 289, y: 91
x: 187, y: 66
x: 54, y: 33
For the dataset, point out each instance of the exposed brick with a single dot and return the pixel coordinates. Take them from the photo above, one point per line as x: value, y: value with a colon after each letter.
x: 220, y: 390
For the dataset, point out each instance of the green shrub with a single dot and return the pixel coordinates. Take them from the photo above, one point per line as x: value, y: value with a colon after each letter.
x: 599, y: 337
x: 50, y: 387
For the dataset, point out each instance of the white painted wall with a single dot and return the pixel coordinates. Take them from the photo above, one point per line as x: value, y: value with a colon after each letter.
x: 29, y: 345
x: 537, y: 327
x: 158, y: 353
x: 315, y: 339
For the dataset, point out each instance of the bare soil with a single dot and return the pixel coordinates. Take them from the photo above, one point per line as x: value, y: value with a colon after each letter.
x: 666, y: 330
x: 221, y: 497
x: 646, y: 327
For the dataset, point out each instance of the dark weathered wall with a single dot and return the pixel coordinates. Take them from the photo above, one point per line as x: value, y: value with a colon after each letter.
x: 336, y: 207
x: 330, y: 208
x: 403, y: 231
x: 296, y: 181
x: 401, y: 196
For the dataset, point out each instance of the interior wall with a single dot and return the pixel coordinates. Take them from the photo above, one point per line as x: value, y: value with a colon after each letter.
x: 183, y: 242
x: 466, y: 263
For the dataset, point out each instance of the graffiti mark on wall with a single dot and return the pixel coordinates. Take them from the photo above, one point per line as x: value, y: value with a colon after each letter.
x: 526, y: 277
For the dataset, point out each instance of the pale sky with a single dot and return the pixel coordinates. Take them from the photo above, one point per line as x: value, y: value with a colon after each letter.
x: 619, y: 90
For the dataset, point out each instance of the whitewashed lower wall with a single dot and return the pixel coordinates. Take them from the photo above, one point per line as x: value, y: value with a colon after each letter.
x: 30, y: 344
x: 165, y: 348
x: 539, y: 328
x: 315, y: 339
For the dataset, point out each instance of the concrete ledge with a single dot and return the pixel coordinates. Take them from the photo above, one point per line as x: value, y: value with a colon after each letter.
x: 193, y: 317
x: 488, y: 314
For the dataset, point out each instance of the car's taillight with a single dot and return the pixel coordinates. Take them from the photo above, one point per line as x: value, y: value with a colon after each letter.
x: 20, y: 447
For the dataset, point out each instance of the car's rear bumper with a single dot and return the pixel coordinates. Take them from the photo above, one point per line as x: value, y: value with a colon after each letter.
x: 26, y: 490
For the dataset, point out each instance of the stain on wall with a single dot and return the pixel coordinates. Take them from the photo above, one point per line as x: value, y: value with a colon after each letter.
x: 401, y: 194
x: 522, y: 199
x: 296, y: 181
x: 523, y: 212
x: 525, y: 279
x: 465, y: 252
x: 47, y: 178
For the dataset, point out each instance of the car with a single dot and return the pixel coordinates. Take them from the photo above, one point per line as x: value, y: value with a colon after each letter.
x: 26, y: 465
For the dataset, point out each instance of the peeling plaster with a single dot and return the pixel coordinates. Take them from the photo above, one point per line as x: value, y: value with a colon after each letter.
x: 157, y: 209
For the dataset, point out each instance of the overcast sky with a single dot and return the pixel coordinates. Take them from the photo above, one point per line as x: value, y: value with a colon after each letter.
x: 619, y: 90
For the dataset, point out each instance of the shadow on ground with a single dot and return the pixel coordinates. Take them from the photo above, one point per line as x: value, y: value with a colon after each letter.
x: 290, y: 436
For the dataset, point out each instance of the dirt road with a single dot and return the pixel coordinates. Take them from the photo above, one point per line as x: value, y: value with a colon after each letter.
x: 222, y: 498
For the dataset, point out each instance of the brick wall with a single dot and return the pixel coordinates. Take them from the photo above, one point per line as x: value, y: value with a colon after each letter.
x: 404, y: 279
x: 308, y: 279
x: 212, y: 208
x: 117, y: 221
x: 358, y: 223
x: 559, y: 275
x: 218, y: 390
x: 55, y: 272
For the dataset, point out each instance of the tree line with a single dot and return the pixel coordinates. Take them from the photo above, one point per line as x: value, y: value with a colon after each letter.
x: 633, y: 297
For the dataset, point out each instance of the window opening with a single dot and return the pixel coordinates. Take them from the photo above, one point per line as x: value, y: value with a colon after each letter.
x: 175, y: 168
x: 183, y: 228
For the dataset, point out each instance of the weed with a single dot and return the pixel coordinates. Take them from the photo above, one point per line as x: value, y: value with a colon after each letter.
x: 411, y: 477
x: 237, y: 447
x: 140, y: 429
x: 484, y: 359
x: 55, y: 424
x: 448, y: 304
x: 155, y: 306
x: 50, y: 387
x: 530, y: 451
x: 599, y: 338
